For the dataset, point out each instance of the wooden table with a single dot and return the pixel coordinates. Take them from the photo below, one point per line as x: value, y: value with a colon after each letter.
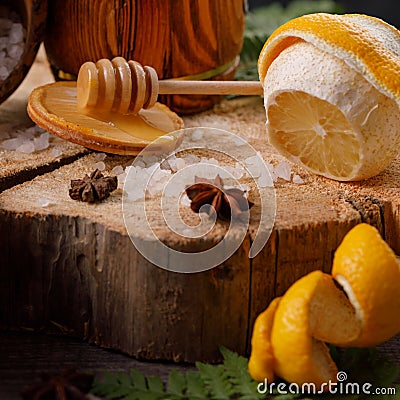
x: 70, y: 268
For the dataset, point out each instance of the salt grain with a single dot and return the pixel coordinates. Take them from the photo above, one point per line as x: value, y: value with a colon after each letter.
x: 43, y: 202
x: 56, y: 152
x: 118, y: 170
x: 298, y: 179
x: 100, y: 156
x: 12, y: 35
x: 100, y: 166
x: 12, y: 144
x: 41, y: 142
x: 283, y: 170
x: 197, y: 134
x: 26, y: 147
x: 185, y: 201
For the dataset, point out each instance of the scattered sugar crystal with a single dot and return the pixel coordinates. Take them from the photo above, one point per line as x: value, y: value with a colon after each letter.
x: 56, y: 152
x: 264, y: 181
x: 172, y: 163
x: 161, y: 174
x: 121, y: 178
x: 197, y: 134
x: 117, y: 170
x: 149, y: 160
x: 298, y: 179
x: 100, y: 156
x: 140, y: 163
x: 12, y: 144
x: 283, y: 170
x: 15, y: 51
x: 185, y: 201
x: 43, y: 202
x: 252, y: 160
x: 41, y: 142
x: 191, y: 159
x: 180, y: 163
x: 16, y: 33
x: 11, y: 42
x: 100, y: 166
x: 4, y: 72
x: 26, y: 147
x: 254, y: 170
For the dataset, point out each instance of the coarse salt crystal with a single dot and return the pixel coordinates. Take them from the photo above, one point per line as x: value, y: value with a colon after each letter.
x: 117, y: 170
x: 41, y: 143
x: 283, y: 170
x: 100, y: 166
x: 185, y: 201
x: 12, y: 144
x: 43, y: 202
x: 56, y: 152
x: 180, y: 163
x: 298, y: 179
x: 264, y: 181
x: 100, y: 156
x: 197, y: 134
x: 26, y: 147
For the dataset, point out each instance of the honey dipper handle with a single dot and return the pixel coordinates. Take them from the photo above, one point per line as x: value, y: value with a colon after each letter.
x: 210, y: 87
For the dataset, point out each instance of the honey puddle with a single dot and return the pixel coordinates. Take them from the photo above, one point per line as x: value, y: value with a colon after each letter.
x: 147, y: 125
x: 59, y: 103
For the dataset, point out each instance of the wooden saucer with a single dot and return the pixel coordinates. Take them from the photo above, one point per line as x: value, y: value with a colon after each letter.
x: 54, y: 108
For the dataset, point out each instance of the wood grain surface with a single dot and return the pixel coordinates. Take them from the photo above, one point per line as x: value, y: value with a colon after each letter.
x: 71, y: 267
x: 176, y: 37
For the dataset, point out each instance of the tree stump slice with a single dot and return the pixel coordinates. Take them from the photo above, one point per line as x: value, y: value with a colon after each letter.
x: 71, y: 268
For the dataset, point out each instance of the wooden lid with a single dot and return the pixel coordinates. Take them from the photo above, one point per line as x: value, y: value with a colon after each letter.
x: 33, y: 18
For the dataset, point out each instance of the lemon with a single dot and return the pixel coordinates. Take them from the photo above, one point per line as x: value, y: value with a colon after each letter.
x: 332, y: 93
x: 312, y: 311
x: 369, y: 272
x: 261, y: 362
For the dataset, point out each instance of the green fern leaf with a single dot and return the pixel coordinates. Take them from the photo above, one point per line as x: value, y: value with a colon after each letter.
x: 215, y: 380
x: 176, y: 383
x: 196, y: 388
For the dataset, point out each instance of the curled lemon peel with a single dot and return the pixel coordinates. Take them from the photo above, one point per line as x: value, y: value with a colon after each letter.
x: 289, y: 337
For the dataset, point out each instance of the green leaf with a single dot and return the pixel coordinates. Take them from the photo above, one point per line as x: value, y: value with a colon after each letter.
x: 196, y: 388
x: 138, y: 379
x: 155, y: 384
x: 176, y: 383
x: 216, y: 381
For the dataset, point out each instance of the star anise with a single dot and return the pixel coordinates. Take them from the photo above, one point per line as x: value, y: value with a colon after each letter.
x: 70, y: 385
x: 211, y: 197
x: 93, y: 188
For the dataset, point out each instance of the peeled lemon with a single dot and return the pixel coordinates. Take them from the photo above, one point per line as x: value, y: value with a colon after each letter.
x: 332, y: 93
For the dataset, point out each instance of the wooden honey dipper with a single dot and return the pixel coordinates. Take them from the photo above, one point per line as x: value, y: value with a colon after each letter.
x: 126, y: 87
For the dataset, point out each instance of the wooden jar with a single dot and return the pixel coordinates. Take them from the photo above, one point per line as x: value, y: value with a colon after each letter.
x: 192, y: 39
x: 33, y: 18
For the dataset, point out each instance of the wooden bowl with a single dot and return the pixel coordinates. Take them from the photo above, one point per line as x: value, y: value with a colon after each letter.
x: 33, y: 17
